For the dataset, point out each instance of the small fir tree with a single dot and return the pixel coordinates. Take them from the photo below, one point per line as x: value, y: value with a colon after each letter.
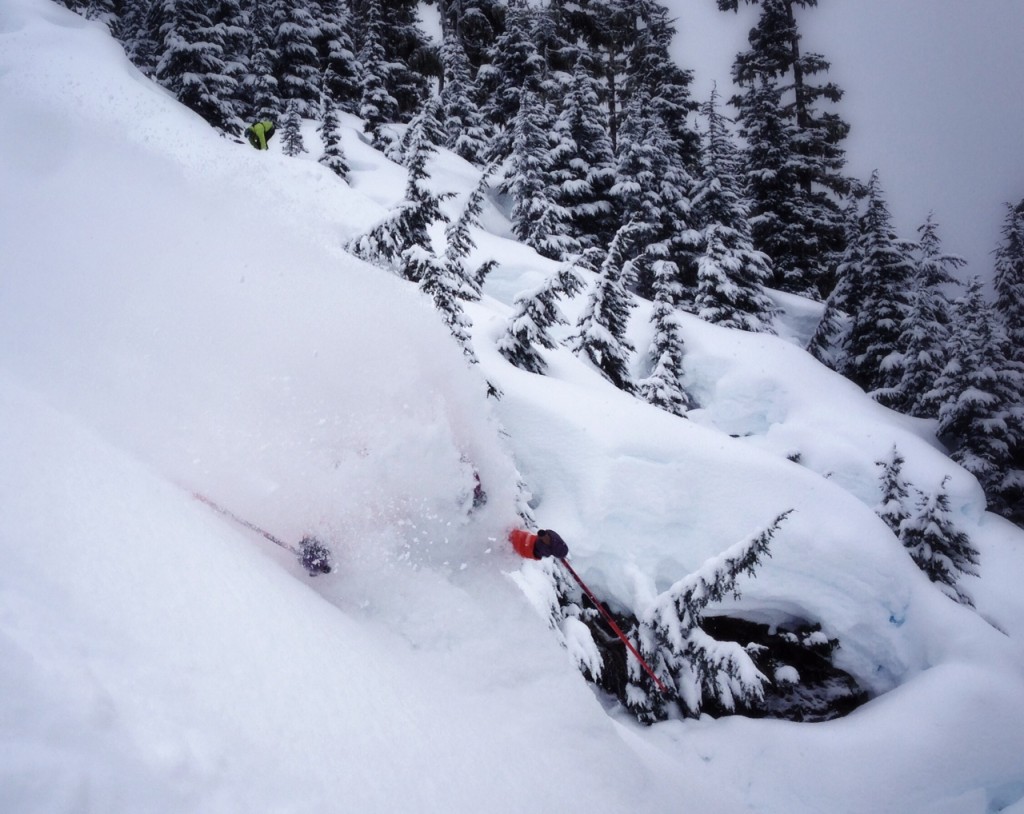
x: 1009, y: 285
x: 333, y: 156
x: 513, y: 70
x: 831, y: 339
x: 459, y: 242
x: 377, y: 107
x: 259, y: 90
x: 695, y: 667
x: 476, y: 23
x: 652, y: 189
x: 425, y: 127
x: 401, y: 242
x: 138, y: 38
x: 731, y: 274
x: 1009, y: 278
x: 291, y: 130
x: 663, y: 387
x: 941, y: 550
x: 884, y: 275
x: 443, y: 287
x: 410, y: 59
x: 650, y: 68
x: 601, y: 329
x: 536, y: 312
x: 895, y: 492
x: 104, y: 11
x: 925, y: 332
x: 981, y: 397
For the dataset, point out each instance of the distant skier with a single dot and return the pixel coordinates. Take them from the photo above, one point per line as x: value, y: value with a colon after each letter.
x: 545, y: 543
x: 259, y: 134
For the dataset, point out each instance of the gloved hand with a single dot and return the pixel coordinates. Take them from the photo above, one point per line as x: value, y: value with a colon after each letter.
x: 315, y: 556
x: 549, y: 544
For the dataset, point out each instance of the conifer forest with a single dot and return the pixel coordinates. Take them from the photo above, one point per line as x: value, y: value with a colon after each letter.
x: 590, y: 129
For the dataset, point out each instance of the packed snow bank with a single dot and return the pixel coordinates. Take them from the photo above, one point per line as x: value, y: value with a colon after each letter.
x: 646, y: 498
x: 174, y: 291
x: 154, y: 659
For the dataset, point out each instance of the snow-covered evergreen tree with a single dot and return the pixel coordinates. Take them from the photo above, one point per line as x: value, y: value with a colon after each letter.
x: 297, y: 62
x: 601, y: 329
x: 191, y: 61
x: 893, y: 508
x: 924, y: 334
x: 731, y: 274
x: 512, y: 73
x: 938, y: 547
x: 260, y: 91
x: 981, y: 397
x: 694, y: 666
x: 581, y: 162
x: 425, y: 209
x: 291, y: 129
x: 338, y: 53
x: 233, y: 23
x: 1009, y: 284
x: 459, y: 242
x: 830, y: 342
x: 137, y: 36
x: 663, y: 386
x: 795, y: 156
x: 333, y: 156
x: 652, y: 188
x: 425, y: 130
x: 466, y: 133
x: 377, y: 106
x: 1009, y: 278
x: 409, y: 60
x: 537, y: 219
x: 103, y: 11
x: 475, y: 23
x: 648, y: 32
x: 536, y: 312
x: 884, y: 276
x: 438, y: 281
x: 607, y: 31
x: 401, y: 242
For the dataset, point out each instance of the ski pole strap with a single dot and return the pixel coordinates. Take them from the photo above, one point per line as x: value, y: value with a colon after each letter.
x: 618, y: 631
x: 244, y: 522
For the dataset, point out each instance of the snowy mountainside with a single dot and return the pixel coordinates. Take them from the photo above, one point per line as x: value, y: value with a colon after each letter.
x: 177, y: 314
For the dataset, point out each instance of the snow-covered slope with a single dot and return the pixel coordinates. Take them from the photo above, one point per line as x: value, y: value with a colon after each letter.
x: 177, y: 315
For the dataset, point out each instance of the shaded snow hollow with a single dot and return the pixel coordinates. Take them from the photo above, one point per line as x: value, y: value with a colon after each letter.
x: 177, y: 315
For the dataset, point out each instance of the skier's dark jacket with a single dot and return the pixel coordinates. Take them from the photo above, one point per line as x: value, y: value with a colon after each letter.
x: 545, y: 543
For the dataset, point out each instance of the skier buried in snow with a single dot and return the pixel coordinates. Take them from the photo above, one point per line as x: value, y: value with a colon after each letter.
x: 545, y: 543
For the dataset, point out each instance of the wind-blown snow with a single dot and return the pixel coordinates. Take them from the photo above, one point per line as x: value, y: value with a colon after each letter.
x: 177, y: 315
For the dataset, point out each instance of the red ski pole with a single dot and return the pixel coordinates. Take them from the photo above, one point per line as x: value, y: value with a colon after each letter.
x: 618, y: 631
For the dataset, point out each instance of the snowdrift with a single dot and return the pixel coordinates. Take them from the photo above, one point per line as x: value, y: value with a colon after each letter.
x: 177, y: 315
